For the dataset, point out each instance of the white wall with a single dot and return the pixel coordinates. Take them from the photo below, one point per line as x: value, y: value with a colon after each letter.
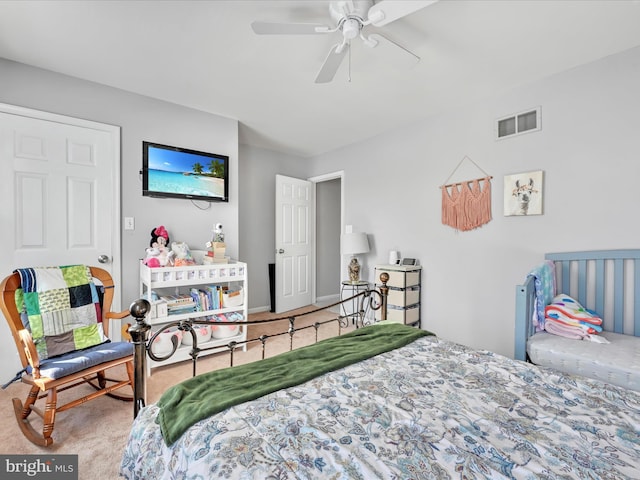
x: 140, y: 118
x: 258, y: 169
x: 328, y: 226
x: 588, y: 149
x: 248, y: 218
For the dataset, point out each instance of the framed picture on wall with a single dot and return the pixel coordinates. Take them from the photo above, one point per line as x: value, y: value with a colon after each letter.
x: 523, y: 193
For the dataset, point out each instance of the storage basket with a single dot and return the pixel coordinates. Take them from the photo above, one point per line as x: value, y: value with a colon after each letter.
x: 233, y: 298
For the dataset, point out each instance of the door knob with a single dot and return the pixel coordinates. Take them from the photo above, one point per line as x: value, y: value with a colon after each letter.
x: 281, y: 251
x: 103, y: 259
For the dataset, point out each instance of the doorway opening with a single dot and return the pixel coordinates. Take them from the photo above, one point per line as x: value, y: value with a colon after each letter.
x: 328, y: 225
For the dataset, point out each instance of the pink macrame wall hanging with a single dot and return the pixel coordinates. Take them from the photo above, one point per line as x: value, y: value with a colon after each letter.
x: 467, y: 205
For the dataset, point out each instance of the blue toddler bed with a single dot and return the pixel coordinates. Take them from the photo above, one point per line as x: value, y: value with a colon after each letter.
x: 606, y: 282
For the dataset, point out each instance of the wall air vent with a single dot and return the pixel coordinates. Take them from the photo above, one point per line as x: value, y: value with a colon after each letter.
x: 518, y: 123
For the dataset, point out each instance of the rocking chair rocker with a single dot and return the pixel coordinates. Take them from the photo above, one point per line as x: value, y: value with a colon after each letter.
x: 57, y: 372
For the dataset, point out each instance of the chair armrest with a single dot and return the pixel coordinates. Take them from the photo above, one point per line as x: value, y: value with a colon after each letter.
x: 116, y: 316
x: 30, y: 352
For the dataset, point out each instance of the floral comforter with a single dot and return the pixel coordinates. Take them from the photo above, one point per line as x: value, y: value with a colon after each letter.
x: 430, y: 410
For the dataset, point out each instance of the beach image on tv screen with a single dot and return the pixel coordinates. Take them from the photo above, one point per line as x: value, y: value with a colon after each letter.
x: 184, y: 173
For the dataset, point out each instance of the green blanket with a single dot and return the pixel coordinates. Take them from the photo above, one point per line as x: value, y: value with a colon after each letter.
x: 207, y: 394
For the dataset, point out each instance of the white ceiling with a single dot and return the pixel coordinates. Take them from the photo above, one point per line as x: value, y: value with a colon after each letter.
x: 204, y: 55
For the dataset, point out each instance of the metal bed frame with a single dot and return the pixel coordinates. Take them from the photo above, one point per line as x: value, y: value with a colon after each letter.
x: 371, y: 299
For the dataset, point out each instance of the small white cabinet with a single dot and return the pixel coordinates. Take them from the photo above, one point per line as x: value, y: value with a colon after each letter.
x: 403, y: 302
x: 179, y: 281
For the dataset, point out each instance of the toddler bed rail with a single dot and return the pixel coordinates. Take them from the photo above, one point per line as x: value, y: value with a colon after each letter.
x: 606, y: 281
x: 370, y: 299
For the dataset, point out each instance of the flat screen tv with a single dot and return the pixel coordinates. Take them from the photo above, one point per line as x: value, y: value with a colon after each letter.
x: 177, y: 172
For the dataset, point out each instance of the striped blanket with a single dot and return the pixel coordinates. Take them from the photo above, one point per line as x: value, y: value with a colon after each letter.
x: 565, y: 316
x: 62, y: 308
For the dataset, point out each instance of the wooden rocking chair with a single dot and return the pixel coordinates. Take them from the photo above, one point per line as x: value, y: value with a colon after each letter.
x: 49, y: 376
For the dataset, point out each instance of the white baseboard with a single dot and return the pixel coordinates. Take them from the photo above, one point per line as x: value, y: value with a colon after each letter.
x: 325, y: 300
x: 259, y: 309
x: 328, y: 299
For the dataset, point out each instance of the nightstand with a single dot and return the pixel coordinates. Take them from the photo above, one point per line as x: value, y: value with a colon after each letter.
x: 403, y: 302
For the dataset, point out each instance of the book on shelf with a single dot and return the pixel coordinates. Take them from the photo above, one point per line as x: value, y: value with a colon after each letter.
x: 177, y: 304
x: 209, y: 297
x: 180, y: 299
x: 179, y: 309
x: 203, y: 299
x: 200, y: 302
x: 214, y: 292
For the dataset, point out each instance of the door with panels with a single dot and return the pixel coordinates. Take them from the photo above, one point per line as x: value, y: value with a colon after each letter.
x: 293, y: 243
x: 60, y: 197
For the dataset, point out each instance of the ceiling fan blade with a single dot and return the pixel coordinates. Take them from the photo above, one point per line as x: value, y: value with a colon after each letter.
x: 332, y: 63
x: 398, y: 56
x: 274, y: 28
x: 387, y: 11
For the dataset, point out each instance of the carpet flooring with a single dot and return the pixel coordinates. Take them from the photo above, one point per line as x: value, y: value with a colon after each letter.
x: 98, y: 430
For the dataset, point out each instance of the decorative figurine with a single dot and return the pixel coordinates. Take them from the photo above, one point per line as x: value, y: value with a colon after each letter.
x: 354, y: 270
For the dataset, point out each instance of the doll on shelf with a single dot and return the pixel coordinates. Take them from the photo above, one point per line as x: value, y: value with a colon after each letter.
x: 160, y: 240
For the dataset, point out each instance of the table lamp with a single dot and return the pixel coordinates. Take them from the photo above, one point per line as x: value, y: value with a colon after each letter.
x: 354, y: 244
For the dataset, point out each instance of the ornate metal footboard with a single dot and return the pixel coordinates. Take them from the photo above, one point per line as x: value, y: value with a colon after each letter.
x: 368, y: 300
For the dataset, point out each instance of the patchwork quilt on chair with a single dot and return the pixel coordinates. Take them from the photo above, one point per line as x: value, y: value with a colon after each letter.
x: 62, y: 307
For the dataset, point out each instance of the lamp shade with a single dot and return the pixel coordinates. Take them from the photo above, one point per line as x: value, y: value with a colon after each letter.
x: 354, y: 243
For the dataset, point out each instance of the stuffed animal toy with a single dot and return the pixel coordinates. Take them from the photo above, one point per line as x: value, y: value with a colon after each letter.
x: 160, y: 241
x: 157, y: 257
x: 182, y: 254
x: 159, y: 237
x: 152, y: 259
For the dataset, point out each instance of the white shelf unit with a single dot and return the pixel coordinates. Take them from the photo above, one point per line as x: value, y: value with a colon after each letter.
x: 179, y: 280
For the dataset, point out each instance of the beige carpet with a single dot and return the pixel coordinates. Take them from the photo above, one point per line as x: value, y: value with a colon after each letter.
x: 97, y: 431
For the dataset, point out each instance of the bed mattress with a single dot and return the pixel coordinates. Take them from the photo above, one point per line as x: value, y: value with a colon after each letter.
x: 430, y: 410
x: 617, y: 362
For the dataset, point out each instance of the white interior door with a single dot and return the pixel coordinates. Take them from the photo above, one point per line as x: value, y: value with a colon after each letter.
x: 294, y: 200
x: 60, y: 199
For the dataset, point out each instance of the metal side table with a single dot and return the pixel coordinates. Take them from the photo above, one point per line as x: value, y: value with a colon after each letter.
x: 349, y: 289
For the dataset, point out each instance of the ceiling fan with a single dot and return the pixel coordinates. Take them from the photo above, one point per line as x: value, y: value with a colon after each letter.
x: 351, y: 18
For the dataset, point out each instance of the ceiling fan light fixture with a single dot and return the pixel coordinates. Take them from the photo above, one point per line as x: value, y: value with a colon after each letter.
x: 350, y: 17
x: 351, y: 28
